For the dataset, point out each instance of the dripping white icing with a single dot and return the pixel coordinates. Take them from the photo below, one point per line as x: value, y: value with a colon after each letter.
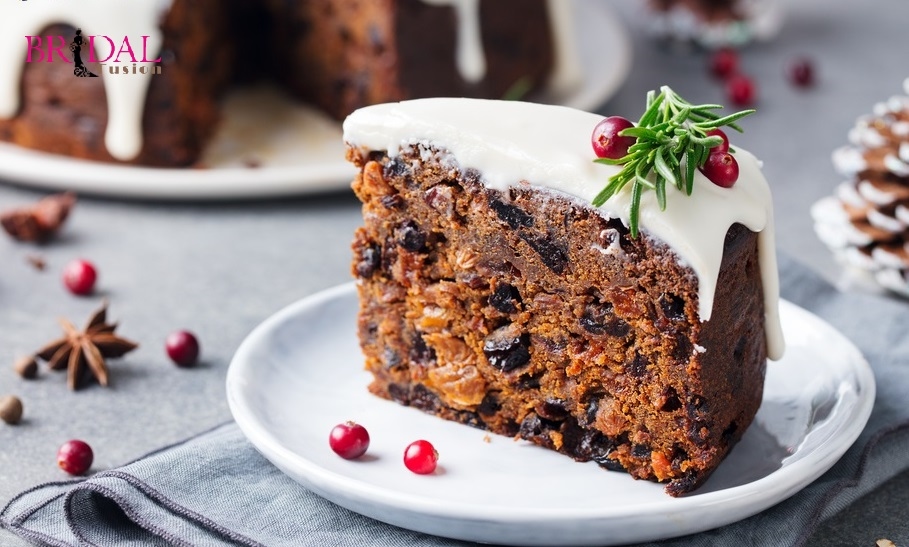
x: 567, y: 72
x: 549, y: 147
x: 469, y: 56
x: 113, y: 18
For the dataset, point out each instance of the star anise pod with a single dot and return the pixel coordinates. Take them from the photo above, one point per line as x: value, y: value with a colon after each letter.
x: 38, y: 222
x: 90, y: 347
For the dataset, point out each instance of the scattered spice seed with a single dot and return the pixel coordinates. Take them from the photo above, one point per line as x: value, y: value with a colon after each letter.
x: 10, y: 409
x: 26, y: 367
x: 38, y: 222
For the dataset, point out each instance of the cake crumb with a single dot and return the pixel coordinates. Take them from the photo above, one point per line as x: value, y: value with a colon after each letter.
x: 487, y: 439
x: 885, y: 543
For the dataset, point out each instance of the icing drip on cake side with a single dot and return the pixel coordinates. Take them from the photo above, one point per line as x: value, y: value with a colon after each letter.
x: 115, y: 18
x: 549, y: 147
x: 470, y: 56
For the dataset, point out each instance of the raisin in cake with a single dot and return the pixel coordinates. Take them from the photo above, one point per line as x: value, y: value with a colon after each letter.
x: 335, y: 54
x: 493, y: 294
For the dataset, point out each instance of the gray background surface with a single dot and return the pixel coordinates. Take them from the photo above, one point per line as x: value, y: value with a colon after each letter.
x: 221, y: 268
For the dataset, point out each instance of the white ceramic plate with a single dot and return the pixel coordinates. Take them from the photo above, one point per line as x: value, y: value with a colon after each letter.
x: 300, y: 373
x: 295, y: 150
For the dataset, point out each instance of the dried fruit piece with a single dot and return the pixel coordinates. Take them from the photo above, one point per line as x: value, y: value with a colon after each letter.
x: 10, y: 409
x: 38, y: 222
x: 506, y: 348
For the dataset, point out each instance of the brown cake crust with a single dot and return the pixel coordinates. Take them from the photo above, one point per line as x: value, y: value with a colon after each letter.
x: 66, y: 115
x: 529, y: 314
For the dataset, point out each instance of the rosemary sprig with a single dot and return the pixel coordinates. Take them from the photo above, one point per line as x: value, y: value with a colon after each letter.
x: 671, y: 143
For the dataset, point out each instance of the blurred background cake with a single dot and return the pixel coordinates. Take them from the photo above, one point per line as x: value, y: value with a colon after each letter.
x: 336, y: 55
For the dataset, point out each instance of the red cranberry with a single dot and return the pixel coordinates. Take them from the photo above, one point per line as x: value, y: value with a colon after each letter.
x: 723, y: 147
x: 606, y: 140
x: 724, y: 62
x: 182, y: 348
x: 801, y: 72
x: 75, y: 457
x: 741, y: 90
x: 421, y: 457
x: 349, y: 440
x: 721, y: 169
x: 79, y: 276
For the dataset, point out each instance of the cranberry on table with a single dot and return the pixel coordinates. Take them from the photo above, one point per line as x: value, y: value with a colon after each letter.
x: 75, y: 457
x: 741, y: 90
x: 724, y: 62
x: 722, y: 169
x: 182, y: 347
x: 349, y: 440
x: 421, y: 457
x: 801, y: 72
x: 606, y: 141
x: 79, y: 277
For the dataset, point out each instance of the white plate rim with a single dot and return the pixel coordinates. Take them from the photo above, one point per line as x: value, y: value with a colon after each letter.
x: 738, y: 502
x: 37, y: 169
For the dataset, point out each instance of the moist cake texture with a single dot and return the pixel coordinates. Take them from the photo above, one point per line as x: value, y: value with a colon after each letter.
x: 493, y: 294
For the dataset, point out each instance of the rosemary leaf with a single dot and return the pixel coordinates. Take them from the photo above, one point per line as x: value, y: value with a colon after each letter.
x: 670, y: 131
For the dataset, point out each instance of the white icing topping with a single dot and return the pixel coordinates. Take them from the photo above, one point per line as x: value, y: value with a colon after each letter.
x: 549, y: 147
x: 113, y: 18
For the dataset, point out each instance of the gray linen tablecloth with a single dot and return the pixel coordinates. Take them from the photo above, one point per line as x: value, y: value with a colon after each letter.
x: 215, y: 489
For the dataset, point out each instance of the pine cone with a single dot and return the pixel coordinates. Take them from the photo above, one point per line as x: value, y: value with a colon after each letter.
x: 866, y: 222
